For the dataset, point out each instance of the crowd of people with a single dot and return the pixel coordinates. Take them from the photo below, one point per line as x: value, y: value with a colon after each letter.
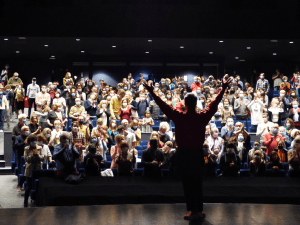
x: 81, y: 121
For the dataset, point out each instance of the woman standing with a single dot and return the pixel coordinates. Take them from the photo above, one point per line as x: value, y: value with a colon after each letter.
x: 43, y: 114
x: 125, y: 110
x: 124, y: 160
x: 103, y: 112
x: 33, y: 158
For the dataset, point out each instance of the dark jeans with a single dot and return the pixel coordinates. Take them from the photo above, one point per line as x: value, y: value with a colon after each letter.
x: 19, y: 164
x: 190, y: 167
x: 2, y: 113
x: 28, y: 189
x: 30, y: 102
x: 241, y: 117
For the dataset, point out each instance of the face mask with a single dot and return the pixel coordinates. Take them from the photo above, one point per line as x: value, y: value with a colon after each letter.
x: 103, y: 105
x: 79, y: 90
x: 162, y: 82
x: 179, y: 86
x: 216, y: 151
x: 77, y: 103
x: 237, y: 128
x: 82, y: 82
x: 205, y: 150
x: 27, y: 133
x: 40, y: 143
x: 184, y: 86
x: 57, y: 95
x: 16, y: 78
x: 215, y: 135
x: 295, y: 106
x: 262, y: 77
x: 24, y: 121
x: 142, y: 99
x: 58, y: 127
x: 256, y: 148
x: 257, y: 158
x: 33, y: 143
x: 44, y: 89
x: 241, y: 138
x: 124, y: 104
x: 103, y: 92
x: 75, y: 129
x: 275, y: 131
x: 90, y: 83
x: 211, y: 92
x: 265, y: 119
x: 241, y: 96
x: 33, y: 82
x: 230, y: 124
x: 184, y: 92
x: 80, y: 122
x: 47, y: 135
x: 198, y: 92
x: 134, y: 127
x: 288, y: 125
x: 293, y: 95
x: 262, y: 93
x: 281, y: 95
x: 281, y: 132
x: 94, y: 140
x: 113, y: 124
x: 226, y: 106
x: 296, y: 84
x: 201, y: 100
x: 169, y: 96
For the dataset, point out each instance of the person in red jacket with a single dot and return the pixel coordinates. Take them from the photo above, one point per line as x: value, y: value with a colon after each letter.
x: 196, y: 83
x: 272, y: 138
x: 190, y: 134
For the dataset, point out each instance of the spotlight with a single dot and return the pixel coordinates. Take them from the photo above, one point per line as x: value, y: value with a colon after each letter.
x: 211, y: 53
x: 291, y: 42
x: 221, y: 41
x: 181, y: 46
x: 274, y: 53
x: 77, y: 39
x: 147, y: 52
x: 46, y: 45
x: 53, y: 56
x: 114, y: 46
x: 248, y: 47
x: 17, y: 51
x: 149, y: 40
x: 236, y: 57
x: 5, y: 39
x: 82, y: 51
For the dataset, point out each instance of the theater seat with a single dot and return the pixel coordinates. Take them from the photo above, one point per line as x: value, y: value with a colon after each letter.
x: 144, y: 142
x: 69, y: 124
x: 138, y: 172
x: 118, y: 122
x: 165, y: 172
x: 139, y: 147
x: 251, y: 142
x: 140, y: 153
x: 139, y: 165
x: 107, y: 164
x: 108, y: 158
x: 245, y: 165
x: 272, y: 173
x: 245, y: 173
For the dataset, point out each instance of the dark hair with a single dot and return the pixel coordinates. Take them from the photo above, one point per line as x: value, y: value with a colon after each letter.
x: 121, y: 127
x: 153, y: 142
x: 190, y: 101
x: 92, y: 149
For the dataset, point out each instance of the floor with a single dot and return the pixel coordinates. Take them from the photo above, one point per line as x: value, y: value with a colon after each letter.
x: 152, y: 214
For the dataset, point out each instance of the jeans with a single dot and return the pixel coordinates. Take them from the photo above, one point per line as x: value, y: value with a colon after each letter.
x: 30, y: 101
x: 28, y: 189
x: 19, y: 163
x: 2, y: 113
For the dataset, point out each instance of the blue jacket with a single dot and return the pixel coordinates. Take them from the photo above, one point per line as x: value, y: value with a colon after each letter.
x: 142, y: 107
x: 91, y: 110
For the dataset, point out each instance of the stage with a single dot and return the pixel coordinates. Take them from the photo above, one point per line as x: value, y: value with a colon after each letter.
x: 152, y: 214
x: 139, y: 190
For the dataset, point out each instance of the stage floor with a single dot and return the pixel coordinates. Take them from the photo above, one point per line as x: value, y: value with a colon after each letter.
x: 161, y: 214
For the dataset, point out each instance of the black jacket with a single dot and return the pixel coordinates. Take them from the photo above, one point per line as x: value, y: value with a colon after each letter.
x: 150, y: 169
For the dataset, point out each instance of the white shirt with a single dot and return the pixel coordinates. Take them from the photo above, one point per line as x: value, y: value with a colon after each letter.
x: 32, y: 90
x: 213, y: 143
x: 130, y: 138
x: 260, y: 129
x: 256, y: 109
x: 60, y: 100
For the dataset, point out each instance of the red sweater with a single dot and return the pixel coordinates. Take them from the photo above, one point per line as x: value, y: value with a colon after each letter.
x: 270, y: 143
x: 190, y: 127
x: 195, y: 85
x: 125, y: 114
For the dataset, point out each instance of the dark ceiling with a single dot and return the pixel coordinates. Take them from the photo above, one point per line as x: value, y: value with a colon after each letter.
x: 160, y: 49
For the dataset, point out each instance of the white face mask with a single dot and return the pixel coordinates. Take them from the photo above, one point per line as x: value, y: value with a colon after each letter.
x: 215, y: 135
x: 57, y: 95
x: 75, y: 129
x: 103, y: 105
x: 44, y: 89
x: 124, y: 104
x: 113, y: 124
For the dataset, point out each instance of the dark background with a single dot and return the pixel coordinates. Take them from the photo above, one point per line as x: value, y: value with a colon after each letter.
x: 128, y: 24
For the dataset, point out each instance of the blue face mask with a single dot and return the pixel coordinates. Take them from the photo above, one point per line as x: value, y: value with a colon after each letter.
x: 184, y: 86
x: 295, y: 106
x: 94, y: 140
x: 198, y: 92
x: 174, y: 82
x: 73, y: 94
x: 241, y: 138
x: 184, y: 92
x: 24, y: 121
x: 162, y: 82
x: 34, y: 82
x: 256, y: 148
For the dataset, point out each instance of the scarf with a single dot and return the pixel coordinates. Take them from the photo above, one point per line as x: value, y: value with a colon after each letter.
x: 281, y: 154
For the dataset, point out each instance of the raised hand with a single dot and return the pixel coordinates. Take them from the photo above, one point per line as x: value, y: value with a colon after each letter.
x: 226, y: 81
x: 148, y: 88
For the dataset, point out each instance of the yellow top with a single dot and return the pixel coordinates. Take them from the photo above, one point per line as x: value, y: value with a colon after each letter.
x: 115, y: 105
x: 76, y: 109
x: 85, y: 130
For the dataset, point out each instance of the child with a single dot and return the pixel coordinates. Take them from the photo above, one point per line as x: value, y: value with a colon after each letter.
x: 147, y: 122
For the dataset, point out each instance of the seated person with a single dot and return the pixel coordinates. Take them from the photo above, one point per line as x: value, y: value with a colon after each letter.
x: 286, y: 138
x: 294, y: 159
x: 274, y: 163
x: 230, y: 161
x: 152, y: 159
x: 256, y: 146
x: 125, y: 160
x: 93, y: 162
x: 210, y: 162
x: 281, y: 151
x: 164, y: 136
x: 169, y: 157
x: 227, y: 130
x: 257, y: 165
x: 217, y: 152
x: 65, y: 156
x: 214, y: 139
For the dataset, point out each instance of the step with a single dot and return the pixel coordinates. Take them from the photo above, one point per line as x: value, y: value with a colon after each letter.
x: 6, y: 170
x: 2, y: 163
x: 1, y: 157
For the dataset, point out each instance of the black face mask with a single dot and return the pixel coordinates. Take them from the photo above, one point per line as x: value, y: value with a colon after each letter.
x: 280, y: 147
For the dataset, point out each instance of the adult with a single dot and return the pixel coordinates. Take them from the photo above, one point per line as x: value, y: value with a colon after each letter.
x: 272, y: 138
x: 65, y: 155
x: 129, y: 136
x: 125, y: 160
x: 14, y: 81
x: 41, y: 97
x: 32, y: 90
x: 256, y: 109
x: 196, y: 83
x: 189, y: 135
x: 263, y: 128
x: 76, y: 110
x: 277, y: 80
x: 240, y: 107
x: 17, y: 129
x: 103, y: 112
x: 4, y: 107
x: 230, y: 161
x: 294, y: 159
x: 116, y: 103
x: 228, y: 129
x: 263, y: 83
x: 257, y: 165
x: 33, y: 126
x: 115, y: 150
x: 77, y: 138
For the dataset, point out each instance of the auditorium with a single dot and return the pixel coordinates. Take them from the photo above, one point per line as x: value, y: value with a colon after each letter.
x: 149, y: 112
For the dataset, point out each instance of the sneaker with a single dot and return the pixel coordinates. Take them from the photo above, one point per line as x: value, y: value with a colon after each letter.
x: 194, y: 216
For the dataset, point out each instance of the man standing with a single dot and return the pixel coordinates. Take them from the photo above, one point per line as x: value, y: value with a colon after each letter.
x: 240, y: 106
x: 32, y: 90
x: 190, y: 134
x: 263, y: 83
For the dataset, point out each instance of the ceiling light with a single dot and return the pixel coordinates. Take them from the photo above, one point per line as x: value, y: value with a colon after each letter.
x: 248, y: 47
x: 211, y: 53
x: 77, y: 39
x: 181, y: 46
x: 291, y: 42
x: 236, y: 57
x: 17, y: 51
x: 114, y: 46
x: 147, y: 52
x: 274, y: 53
x: 82, y: 51
x: 221, y: 41
x: 242, y: 60
x: 22, y: 38
x: 5, y: 39
x: 46, y: 45
x: 149, y: 40
x: 273, y: 40
x: 53, y: 56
